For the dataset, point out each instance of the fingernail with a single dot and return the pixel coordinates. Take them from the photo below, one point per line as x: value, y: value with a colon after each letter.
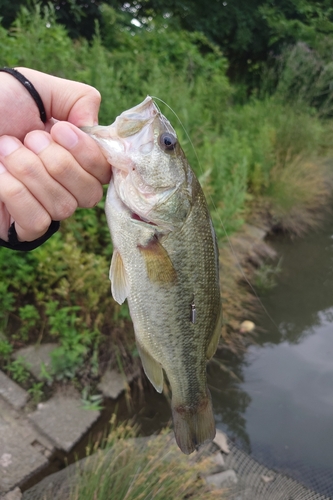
x: 2, y: 168
x: 8, y: 145
x: 37, y: 141
x: 65, y: 135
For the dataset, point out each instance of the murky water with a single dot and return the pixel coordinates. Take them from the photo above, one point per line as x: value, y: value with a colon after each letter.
x: 281, y: 407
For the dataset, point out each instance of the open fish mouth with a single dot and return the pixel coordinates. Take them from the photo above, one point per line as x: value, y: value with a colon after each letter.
x: 133, y: 121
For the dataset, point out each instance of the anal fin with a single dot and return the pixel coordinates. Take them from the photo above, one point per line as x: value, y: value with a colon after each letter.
x: 152, y: 368
x: 118, y: 277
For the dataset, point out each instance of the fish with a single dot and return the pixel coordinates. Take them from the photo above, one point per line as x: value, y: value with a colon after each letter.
x: 165, y: 262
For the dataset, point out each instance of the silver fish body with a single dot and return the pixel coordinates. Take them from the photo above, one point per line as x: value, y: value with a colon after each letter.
x: 165, y: 262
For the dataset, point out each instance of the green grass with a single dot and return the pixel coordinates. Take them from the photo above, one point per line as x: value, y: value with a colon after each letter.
x: 152, y: 469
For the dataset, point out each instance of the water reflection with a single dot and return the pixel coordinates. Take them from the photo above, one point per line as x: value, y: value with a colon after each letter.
x: 230, y: 401
x: 305, y: 287
x: 281, y: 407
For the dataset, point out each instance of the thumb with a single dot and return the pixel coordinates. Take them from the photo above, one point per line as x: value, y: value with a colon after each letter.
x: 65, y: 100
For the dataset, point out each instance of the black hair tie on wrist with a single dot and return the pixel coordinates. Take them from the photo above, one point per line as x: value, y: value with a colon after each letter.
x: 30, y: 88
x: 13, y: 243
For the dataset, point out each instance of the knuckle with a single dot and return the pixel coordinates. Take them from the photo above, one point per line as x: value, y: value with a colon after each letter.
x: 42, y: 223
x: 58, y: 169
x: 15, y: 190
x: 94, y: 197
x: 65, y: 209
x: 24, y: 170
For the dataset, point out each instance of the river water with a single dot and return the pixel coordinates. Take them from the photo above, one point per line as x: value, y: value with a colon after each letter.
x: 278, y: 402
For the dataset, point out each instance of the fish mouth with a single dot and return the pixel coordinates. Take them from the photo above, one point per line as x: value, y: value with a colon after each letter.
x: 132, y: 121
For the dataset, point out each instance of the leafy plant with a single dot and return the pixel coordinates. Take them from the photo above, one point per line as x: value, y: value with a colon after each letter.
x: 36, y: 392
x: 7, y: 300
x: 18, y: 370
x: 45, y: 374
x: 6, y: 349
x: 265, y: 276
x: 91, y: 401
x: 30, y: 317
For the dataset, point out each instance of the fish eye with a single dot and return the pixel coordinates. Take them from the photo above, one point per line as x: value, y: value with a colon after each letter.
x: 168, y: 141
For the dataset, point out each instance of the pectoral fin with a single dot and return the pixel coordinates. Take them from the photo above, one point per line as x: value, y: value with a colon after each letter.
x: 152, y: 368
x: 215, y: 337
x: 118, y: 277
x: 158, y: 263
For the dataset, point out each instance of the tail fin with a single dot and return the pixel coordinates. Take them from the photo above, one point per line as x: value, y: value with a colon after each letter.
x: 193, y: 425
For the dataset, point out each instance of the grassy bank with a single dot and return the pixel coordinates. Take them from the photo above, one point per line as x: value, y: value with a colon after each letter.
x: 147, y: 469
x: 124, y: 467
x: 265, y: 156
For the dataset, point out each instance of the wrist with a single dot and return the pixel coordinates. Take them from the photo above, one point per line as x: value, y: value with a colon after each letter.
x: 18, y: 107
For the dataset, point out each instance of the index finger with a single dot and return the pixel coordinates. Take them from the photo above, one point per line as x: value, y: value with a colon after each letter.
x: 84, y: 149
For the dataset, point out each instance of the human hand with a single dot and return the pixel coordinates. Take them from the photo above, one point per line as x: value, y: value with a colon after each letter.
x: 47, y: 170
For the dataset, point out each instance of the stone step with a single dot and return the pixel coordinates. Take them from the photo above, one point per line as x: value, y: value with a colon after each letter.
x: 63, y: 420
x: 23, y: 451
x: 12, y: 393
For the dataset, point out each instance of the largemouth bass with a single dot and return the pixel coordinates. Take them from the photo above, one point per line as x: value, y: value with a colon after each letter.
x: 165, y: 262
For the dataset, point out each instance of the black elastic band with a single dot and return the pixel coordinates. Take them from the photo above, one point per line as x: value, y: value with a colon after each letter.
x: 30, y: 88
x: 14, y: 244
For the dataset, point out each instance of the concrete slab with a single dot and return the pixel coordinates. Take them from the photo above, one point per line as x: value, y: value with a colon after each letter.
x: 19, y: 425
x: 34, y: 356
x: 18, y: 459
x: 12, y: 393
x: 113, y: 383
x: 63, y: 420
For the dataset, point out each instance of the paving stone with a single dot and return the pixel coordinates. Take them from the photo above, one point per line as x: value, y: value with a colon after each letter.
x: 18, y: 459
x: 63, y: 420
x: 19, y: 425
x: 22, y: 449
x: 34, y: 356
x: 113, y: 383
x: 12, y: 393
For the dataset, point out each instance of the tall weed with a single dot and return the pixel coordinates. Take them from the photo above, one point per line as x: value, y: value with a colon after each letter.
x: 302, y: 76
x: 145, y: 468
